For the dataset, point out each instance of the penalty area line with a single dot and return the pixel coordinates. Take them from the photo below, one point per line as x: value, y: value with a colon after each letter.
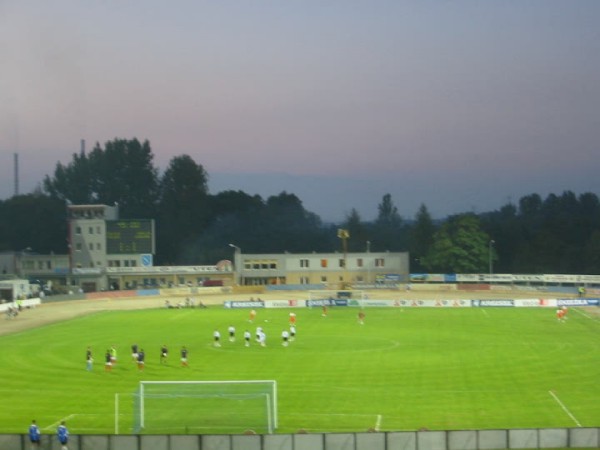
x: 378, y: 422
x: 555, y: 397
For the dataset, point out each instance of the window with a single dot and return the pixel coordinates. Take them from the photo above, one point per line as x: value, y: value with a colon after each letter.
x: 359, y: 262
x: 304, y: 280
x: 342, y: 262
x: 98, y: 246
x: 323, y: 263
x: 379, y: 262
x: 91, y: 230
x: 77, y: 230
x: 323, y: 279
x: 78, y: 246
x: 91, y: 246
x: 304, y: 263
x: 98, y: 230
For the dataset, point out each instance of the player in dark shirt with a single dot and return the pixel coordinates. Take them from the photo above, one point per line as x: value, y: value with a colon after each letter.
x: 108, y: 361
x: 184, y: 354
x: 140, y: 359
x: 164, y: 353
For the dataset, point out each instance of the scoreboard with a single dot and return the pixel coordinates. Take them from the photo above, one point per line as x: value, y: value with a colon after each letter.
x: 129, y: 236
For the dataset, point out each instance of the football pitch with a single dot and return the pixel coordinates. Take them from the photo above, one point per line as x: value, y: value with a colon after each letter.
x: 404, y: 369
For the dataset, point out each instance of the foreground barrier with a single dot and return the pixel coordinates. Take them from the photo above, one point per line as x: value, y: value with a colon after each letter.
x: 404, y: 440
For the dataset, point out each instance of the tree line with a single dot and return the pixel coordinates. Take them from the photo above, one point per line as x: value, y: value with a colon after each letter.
x: 556, y: 234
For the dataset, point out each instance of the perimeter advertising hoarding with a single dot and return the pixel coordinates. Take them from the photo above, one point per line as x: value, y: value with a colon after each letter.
x: 243, y: 304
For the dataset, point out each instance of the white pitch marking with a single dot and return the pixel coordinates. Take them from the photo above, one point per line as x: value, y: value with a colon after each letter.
x: 564, y: 408
x: 378, y: 423
x: 55, y: 424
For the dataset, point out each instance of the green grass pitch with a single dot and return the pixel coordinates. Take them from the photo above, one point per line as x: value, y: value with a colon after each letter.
x: 440, y: 369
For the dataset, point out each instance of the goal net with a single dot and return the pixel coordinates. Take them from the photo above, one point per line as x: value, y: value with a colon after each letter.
x: 201, y: 407
x: 333, y: 295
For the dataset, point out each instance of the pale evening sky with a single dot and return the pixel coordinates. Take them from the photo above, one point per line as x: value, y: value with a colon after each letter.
x: 460, y: 105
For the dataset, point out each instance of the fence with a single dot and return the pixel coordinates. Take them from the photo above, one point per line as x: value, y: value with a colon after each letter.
x: 405, y: 440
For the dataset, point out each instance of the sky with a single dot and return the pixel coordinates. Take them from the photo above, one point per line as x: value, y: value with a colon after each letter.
x: 458, y: 105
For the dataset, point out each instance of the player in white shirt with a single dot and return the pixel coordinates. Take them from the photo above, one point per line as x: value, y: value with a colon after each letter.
x: 285, y: 336
x: 262, y: 338
x: 231, y: 331
x: 217, y: 338
x: 292, y: 332
x: 247, y: 336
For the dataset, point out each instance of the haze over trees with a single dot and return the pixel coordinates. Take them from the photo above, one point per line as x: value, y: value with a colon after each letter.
x: 558, y: 234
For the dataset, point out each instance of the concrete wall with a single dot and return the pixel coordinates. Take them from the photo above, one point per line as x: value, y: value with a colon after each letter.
x: 405, y: 440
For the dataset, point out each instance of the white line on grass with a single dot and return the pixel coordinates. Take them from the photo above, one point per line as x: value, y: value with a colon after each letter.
x: 485, y: 313
x: 55, y: 424
x: 582, y: 313
x: 564, y: 408
x: 378, y: 422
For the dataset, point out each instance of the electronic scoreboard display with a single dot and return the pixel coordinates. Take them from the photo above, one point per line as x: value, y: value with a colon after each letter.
x: 129, y: 236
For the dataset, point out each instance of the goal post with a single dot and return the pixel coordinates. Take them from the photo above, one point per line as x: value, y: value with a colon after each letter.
x: 180, y: 407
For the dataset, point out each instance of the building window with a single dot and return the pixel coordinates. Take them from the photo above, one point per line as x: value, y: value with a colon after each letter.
x: 91, y: 246
x: 304, y: 280
x: 98, y: 230
x: 98, y: 246
x: 273, y: 266
x: 78, y: 246
x: 324, y: 263
x: 91, y: 230
x: 359, y: 262
x: 323, y: 279
x: 379, y: 262
x: 304, y: 263
x: 342, y: 262
x: 77, y: 230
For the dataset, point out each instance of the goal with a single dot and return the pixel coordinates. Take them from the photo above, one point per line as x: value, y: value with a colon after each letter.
x: 200, y: 407
x: 336, y: 295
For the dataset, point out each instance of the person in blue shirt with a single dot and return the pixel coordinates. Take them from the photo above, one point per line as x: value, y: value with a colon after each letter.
x: 34, y: 435
x: 63, y: 435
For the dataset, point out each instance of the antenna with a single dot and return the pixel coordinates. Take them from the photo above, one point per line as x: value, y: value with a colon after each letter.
x: 16, y: 167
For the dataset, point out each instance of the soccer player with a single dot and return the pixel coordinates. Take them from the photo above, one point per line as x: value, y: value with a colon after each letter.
x: 217, y: 338
x: 324, y: 314
x: 285, y: 336
x: 184, y: 354
x: 247, y: 337
x: 292, y: 319
x: 113, y: 355
x: 361, y: 317
x: 140, y: 359
x: 108, y: 361
x: 565, y: 311
x: 34, y: 435
x: 134, y: 352
x: 252, y: 315
x: 164, y: 352
x: 231, y: 331
x: 259, y: 331
x: 262, y: 338
x: 88, y: 359
x: 560, y: 315
x: 63, y: 435
x: 292, y: 332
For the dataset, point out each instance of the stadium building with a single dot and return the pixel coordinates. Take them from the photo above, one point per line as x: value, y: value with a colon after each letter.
x: 109, y: 253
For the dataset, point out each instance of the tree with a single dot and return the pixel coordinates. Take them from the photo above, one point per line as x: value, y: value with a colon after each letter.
x: 460, y: 246
x: 421, y: 237
x: 387, y: 232
x: 183, y: 207
x: 357, y: 230
x: 122, y: 173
